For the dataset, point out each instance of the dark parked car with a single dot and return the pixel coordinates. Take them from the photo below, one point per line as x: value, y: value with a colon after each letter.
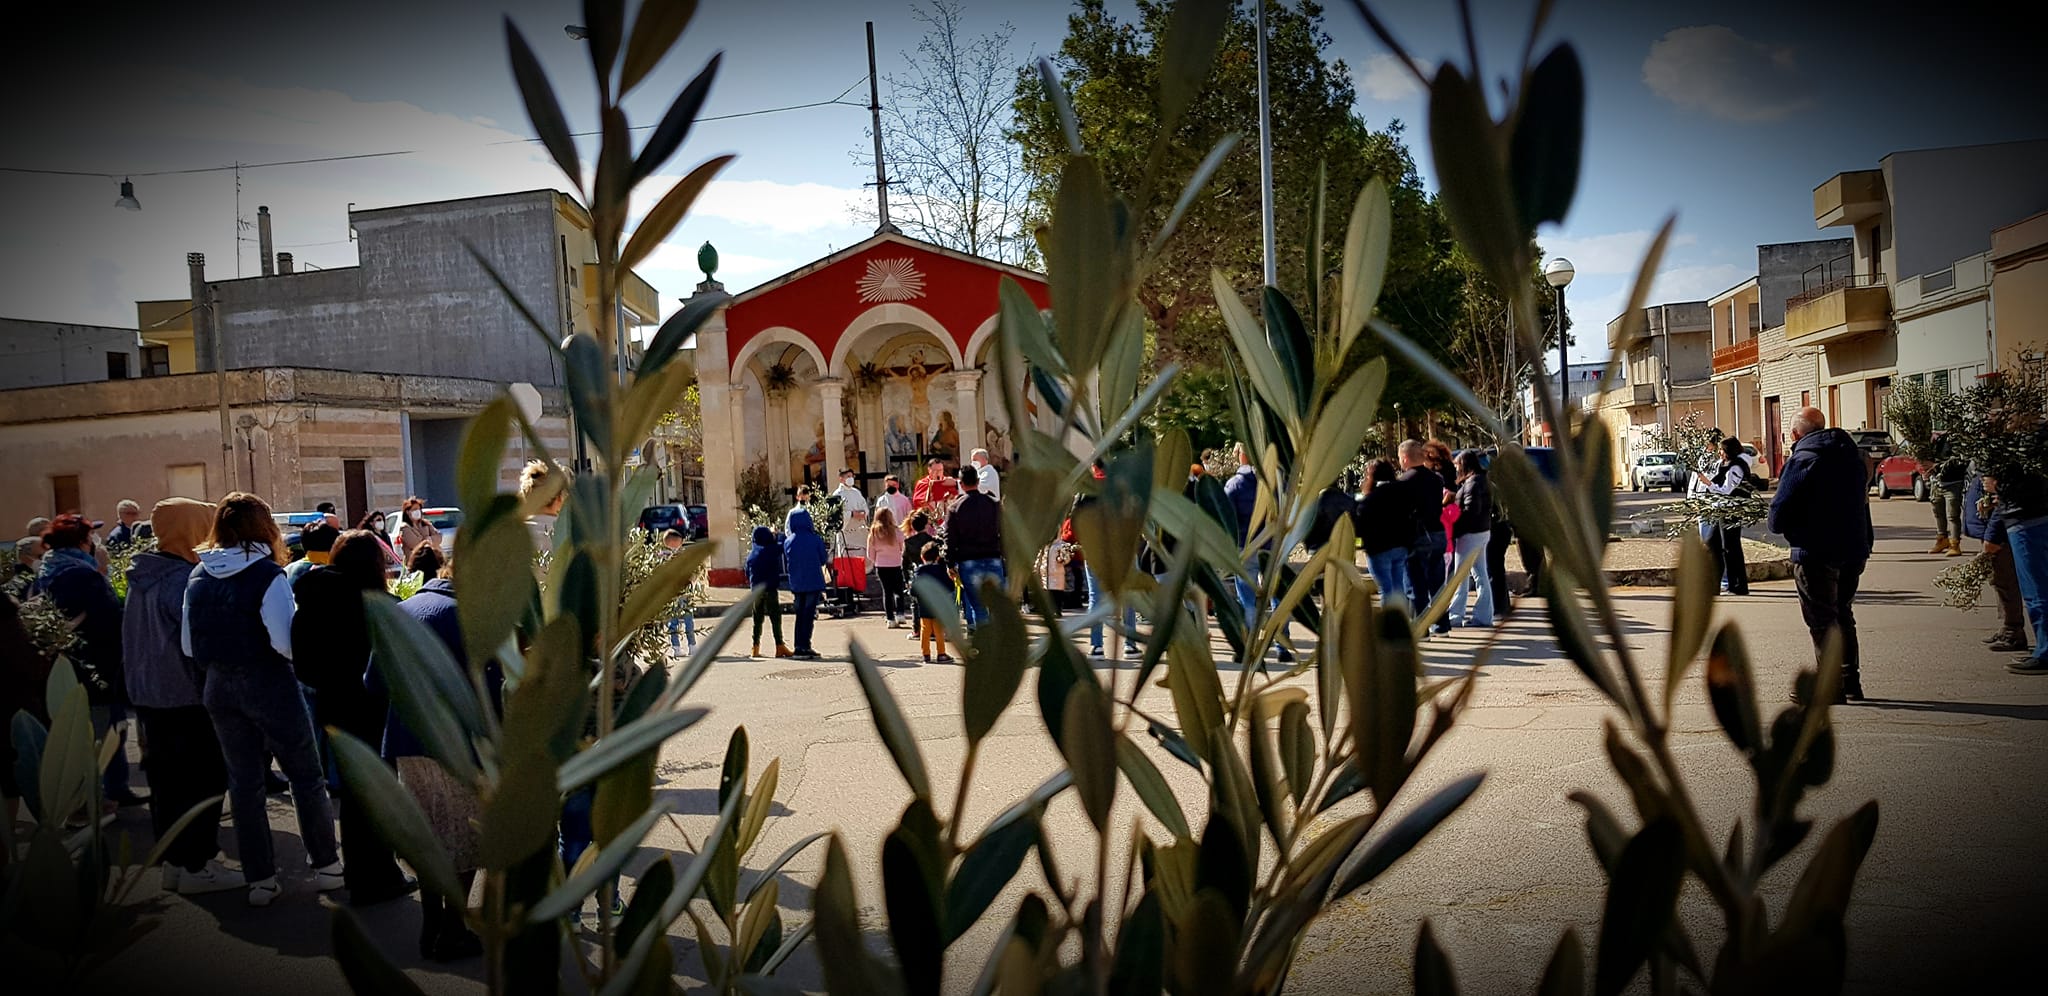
x: 1877, y: 447
x: 692, y: 520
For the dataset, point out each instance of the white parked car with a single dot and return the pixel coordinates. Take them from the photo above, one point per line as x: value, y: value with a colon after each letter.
x: 1656, y: 470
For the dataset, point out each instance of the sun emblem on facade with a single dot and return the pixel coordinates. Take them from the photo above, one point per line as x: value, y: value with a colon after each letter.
x: 891, y: 280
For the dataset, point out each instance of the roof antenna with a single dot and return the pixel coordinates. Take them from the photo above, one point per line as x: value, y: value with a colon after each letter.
x: 881, y: 167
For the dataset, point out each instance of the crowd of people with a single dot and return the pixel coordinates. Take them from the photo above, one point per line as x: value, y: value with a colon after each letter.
x: 233, y: 656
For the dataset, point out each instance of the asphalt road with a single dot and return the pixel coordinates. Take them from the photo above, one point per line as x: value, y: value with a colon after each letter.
x: 1949, y: 900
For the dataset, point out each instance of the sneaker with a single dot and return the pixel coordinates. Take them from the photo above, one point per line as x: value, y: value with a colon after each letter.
x: 263, y: 893
x: 927, y: 658
x: 2028, y: 665
x: 943, y: 659
x: 1131, y: 652
x: 130, y: 798
x: 2008, y: 645
x: 1095, y: 653
x: 213, y: 877
x: 1286, y: 656
x: 807, y: 655
x: 329, y: 877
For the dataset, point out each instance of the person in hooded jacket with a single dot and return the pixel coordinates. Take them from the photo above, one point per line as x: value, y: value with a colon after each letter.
x: 238, y: 628
x: 1470, y: 532
x: 764, y: 575
x: 330, y: 649
x: 1823, y: 509
x: 808, y: 562
x: 181, y: 753
x: 70, y: 576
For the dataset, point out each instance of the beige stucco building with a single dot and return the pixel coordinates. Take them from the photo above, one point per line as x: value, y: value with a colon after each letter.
x: 353, y: 385
x: 1737, y: 319
x: 2019, y: 290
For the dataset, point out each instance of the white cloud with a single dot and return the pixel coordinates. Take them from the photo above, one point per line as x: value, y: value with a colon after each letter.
x: 784, y: 208
x: 1386, y: 80
x: 1607, y: 254
x: 1713, y: 69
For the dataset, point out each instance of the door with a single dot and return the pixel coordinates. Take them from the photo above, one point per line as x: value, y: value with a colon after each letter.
x: 1834, y: 412
x: 1774, y: 428
x: 186, y: 480
x: 64, y: 494
x: 355, y: 480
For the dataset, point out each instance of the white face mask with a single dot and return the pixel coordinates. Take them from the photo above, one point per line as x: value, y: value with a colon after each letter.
x: 414, y: 515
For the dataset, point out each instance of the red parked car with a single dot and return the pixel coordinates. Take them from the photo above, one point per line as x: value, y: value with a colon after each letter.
x: 1900, y: 474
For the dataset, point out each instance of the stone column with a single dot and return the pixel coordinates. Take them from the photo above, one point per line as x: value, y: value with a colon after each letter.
x: 831, y: 410
x: 967, y: 411
x: 720, y: 406
x: 776, y: 414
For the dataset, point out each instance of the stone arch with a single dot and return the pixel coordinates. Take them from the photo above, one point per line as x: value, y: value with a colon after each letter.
x: 782, y: 334
x: 891, y: 313
x: 978, y: 343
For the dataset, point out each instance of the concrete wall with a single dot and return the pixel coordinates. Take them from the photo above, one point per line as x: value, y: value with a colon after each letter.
x: 1945, y: 324
x: 292, y: 432
x: 1945, y: 202
x: 1781, y: 269
x: 1783, y: 373
x: 2019, y: 289
x: 417, y: 303
x: 36, y: 354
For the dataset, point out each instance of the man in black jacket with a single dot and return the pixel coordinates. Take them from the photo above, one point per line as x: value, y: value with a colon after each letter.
x: 974, y: 545
x: 1426, y: 504
x: 1823, y: 509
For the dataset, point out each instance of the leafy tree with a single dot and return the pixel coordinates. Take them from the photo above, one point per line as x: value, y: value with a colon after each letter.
x: 956, y: 177
x: 1113, y: 68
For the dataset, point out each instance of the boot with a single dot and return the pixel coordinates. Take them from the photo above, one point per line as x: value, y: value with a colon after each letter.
x: 756, y: 652
x: 1955, y: 548
x: 1940, y: 545
x: 783, y: 651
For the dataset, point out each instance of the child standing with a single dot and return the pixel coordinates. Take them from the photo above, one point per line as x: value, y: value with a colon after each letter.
x: 928, y: 628
x: 808, y: 562
x: 764, y: 575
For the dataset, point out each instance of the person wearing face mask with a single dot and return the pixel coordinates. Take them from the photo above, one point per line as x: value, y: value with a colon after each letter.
x: 991, y: 482
x: 414, y: 528
x: 894, y: 499
x: 376, y: 523
x: 850, y: 561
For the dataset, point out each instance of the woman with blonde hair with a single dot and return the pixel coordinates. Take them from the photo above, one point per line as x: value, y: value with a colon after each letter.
x: 238, y: 632
x: 885, y: 548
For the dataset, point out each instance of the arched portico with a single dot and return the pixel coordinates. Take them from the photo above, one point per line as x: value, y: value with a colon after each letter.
x: 887, y: 315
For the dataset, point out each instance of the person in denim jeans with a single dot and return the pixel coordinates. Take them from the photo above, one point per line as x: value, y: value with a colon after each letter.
x: 1469, y: 536
x: 974, y: 544
x: 238, y: 629
x: 1386, y: 529
x: 808, y: 563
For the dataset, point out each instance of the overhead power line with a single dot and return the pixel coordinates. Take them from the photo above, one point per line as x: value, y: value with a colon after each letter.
x: 232, y: 167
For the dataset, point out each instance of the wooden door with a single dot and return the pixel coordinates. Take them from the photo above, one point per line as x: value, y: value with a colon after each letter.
x: 1834, y: 411
x: 355, y: 480
x: 64, y: 494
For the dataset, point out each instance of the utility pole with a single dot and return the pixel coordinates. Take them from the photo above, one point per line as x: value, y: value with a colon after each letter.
x: 1265, y: 149
x: 881, y: 167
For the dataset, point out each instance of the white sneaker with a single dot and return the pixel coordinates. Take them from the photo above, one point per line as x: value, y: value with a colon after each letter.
x: 213, y: 878
x: 263, y: 893
x: 329, y: 878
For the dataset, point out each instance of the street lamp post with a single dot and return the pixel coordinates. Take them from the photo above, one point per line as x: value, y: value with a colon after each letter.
x: 1558, y: 273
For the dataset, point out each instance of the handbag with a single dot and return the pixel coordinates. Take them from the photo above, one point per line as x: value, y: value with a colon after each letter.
x: 850, y: 572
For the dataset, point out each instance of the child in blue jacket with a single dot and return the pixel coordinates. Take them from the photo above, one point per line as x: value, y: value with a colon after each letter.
x: 764, y: 574
x: 808, y: 563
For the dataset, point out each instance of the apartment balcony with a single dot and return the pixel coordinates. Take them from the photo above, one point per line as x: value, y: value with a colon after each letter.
x: 1847, y: 198
x: 1735, y: 359
x: 1839, y: 309
x: 1642, y: 394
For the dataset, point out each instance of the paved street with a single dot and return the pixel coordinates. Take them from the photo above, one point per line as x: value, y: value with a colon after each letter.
x: 1952, y: 745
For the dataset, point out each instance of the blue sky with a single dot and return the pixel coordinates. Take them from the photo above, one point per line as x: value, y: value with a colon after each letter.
x: 1726, y: 113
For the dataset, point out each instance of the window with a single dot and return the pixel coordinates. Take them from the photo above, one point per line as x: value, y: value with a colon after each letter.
x: 117, y: 366
x: 156, y: 361
x: 64, y: 493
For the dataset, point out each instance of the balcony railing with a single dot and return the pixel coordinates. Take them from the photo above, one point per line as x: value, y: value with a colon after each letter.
x: 1642, y: 394
x: 1839, y: 309
x: 1731, y: 358
x: 1829, y: 287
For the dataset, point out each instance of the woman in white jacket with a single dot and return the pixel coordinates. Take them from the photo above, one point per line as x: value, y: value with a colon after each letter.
x: 238, y: 632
